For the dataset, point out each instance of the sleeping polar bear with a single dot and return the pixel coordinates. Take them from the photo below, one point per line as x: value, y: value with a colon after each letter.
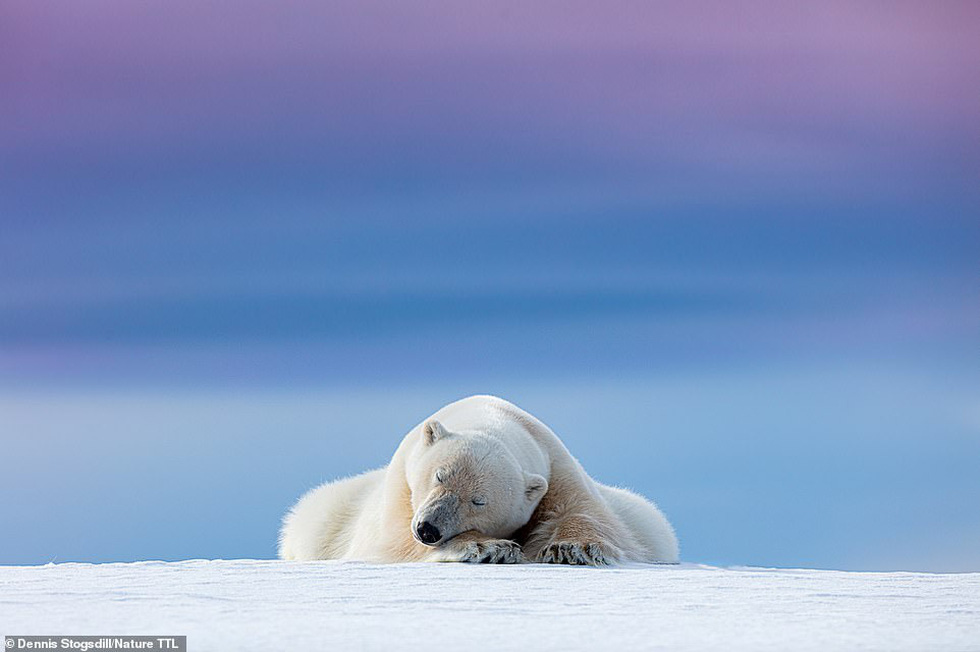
x: 480, y: 481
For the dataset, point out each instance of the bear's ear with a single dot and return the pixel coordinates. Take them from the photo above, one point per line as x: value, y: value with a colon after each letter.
x: 433, y: 431
x: 535, y: 486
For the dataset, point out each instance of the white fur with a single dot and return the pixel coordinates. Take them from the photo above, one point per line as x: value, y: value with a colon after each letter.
x: 497, y: 484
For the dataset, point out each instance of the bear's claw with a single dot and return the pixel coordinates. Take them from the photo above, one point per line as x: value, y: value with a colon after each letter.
x: 576, y: 554
x: 499, y: 551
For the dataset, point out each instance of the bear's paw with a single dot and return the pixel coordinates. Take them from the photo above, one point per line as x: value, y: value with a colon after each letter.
x: 574, y: 553
x: 495, y: 551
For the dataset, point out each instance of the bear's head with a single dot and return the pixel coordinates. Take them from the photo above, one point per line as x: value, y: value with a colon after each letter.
x: 468, y: 481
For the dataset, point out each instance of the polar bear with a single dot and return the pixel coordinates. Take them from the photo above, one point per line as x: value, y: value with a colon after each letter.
x: 481, y: 480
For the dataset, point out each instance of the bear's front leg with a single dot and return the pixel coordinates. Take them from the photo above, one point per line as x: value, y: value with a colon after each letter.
x: 477, y: 548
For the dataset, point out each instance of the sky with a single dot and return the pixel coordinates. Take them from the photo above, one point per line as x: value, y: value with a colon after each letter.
x: 730, y: 252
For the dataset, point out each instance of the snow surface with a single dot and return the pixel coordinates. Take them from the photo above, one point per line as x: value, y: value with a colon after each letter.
x: 263, y: 605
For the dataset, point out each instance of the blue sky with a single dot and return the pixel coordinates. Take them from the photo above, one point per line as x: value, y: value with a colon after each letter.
x: 732, y: 255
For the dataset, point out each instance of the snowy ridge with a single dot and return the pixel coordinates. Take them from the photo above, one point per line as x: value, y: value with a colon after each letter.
x: 262, y: 605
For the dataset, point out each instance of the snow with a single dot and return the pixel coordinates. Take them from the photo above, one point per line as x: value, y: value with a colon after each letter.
x: 261, y: 605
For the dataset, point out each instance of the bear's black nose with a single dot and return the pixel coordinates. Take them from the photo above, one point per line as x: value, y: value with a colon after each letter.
x: 428, y: 533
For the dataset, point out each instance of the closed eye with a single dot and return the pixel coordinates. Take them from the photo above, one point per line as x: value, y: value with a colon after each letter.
x: 439, y: 476
x: 479, y: 502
